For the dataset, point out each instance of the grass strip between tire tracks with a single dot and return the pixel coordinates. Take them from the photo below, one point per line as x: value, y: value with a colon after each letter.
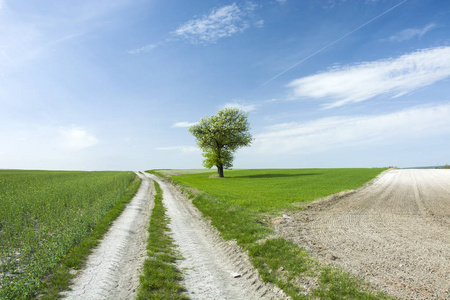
x: 279, y: 261
x: 61, y: 278
x: 161, y: 278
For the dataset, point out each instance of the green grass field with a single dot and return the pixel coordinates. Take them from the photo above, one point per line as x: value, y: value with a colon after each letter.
x: 43, y: 215
x: 272, y: 190
x: 241, y: 205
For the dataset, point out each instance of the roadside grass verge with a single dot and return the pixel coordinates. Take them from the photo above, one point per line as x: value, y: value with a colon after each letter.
x: 60, y: 279
x: 161, y: 278
x: 241, y: 207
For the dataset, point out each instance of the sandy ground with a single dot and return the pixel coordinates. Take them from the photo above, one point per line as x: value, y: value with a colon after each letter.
x: 112, y: 270
x: 393, y: 233
x: 210, y: 263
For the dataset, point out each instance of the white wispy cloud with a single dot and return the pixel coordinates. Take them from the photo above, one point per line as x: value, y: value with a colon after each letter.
x: 221, y: 22
x: 336, y: 132
x: 243, y: 107
x: 76, y: 138
x: 259, y: 23
x: 184, y: 149
x: 410, y: 33
x: 148, y: 47
x: 391, y: 77
x: 184, y: 124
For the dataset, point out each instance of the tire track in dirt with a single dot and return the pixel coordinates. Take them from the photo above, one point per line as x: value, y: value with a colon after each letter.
x: 394, y: 233
x: 112, y: 270
x: 209, y: 261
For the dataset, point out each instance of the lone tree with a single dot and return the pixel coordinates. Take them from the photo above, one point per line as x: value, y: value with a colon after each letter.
x: 219, y: 136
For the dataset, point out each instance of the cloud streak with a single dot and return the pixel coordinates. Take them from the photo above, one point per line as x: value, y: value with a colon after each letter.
x: 148, y: 48
x: 338, y: 132
x: 410, y: 33
x: 391, y: 77
x: 183, y: 149
x: 333, y: 42
x: 184, y: 124
x: 243, y: 107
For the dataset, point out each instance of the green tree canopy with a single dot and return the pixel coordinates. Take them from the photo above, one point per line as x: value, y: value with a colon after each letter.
x: 219, y: 136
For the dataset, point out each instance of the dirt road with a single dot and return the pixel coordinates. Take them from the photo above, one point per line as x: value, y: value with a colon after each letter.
x: 112, y: 270
x: 214, y: 268
x: 210, y: 262
x: 394, y: 233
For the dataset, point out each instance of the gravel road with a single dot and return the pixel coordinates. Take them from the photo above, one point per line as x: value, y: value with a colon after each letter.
x: 210, y: 263
x: 112, y: 270
x: 394, y: 232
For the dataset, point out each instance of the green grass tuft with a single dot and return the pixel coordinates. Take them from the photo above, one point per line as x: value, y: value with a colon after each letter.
x: 337, y: 284
x: 233, y: 221
x: 281, y: 262
x: 161, y: 278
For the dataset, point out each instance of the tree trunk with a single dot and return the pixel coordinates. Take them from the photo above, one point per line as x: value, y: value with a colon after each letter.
x: 220, y: 171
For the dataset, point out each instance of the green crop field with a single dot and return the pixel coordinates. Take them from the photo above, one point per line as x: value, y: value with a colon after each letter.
x: 241, y: 205
x: 43, y: 215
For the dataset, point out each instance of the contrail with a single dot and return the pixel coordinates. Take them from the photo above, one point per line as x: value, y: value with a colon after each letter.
x: 334, y: 42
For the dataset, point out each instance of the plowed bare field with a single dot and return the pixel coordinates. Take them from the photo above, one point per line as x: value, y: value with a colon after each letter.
x: 393, y: 233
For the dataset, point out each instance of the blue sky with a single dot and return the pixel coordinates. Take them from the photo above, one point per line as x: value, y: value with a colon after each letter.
x: 100, y: 85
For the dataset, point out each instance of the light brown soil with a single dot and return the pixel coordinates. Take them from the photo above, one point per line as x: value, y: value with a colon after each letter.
x: 393, y: 233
